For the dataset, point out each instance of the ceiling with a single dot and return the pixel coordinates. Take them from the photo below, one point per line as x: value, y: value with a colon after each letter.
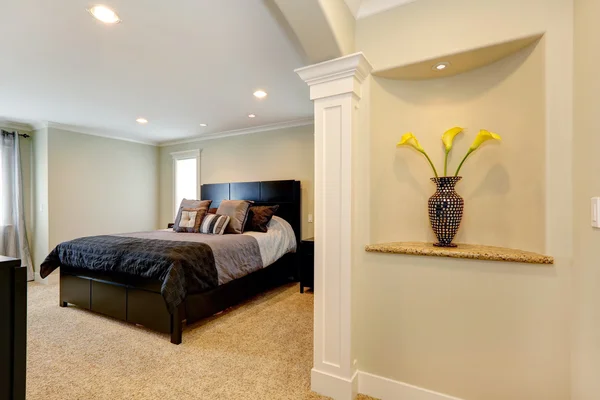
x: 176, y: 63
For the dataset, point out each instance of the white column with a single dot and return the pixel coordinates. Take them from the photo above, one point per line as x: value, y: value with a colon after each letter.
x: 335, y: 88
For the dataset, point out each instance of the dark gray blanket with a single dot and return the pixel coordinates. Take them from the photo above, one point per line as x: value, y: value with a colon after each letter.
x: 182, y: 267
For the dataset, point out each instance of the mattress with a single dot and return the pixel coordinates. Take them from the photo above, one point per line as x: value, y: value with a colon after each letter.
x: 185, y: 263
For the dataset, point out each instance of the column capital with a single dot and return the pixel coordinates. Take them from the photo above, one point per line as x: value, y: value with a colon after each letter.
x: 338, y: 76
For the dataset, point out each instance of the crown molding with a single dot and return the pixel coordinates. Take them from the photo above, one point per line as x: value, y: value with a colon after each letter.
x: 244, y: 131
x: 352, y: 65
x: 40, y: 125
x: 339, y: 76
x: 95, y: 132
x: 104, y: 134
x: 17, y: 126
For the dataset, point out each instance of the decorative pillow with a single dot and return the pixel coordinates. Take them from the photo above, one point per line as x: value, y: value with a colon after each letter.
x: 190, y: 220
x: 214, y: 224
x: 201, y: 205
x: 259, y: 217
x: 237, y: 210
x: 212, y: 210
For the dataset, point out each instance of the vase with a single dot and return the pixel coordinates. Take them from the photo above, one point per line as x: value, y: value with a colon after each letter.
x: 445, y: 210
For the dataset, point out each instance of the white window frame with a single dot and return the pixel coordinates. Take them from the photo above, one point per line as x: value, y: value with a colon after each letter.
x: 185, y: 155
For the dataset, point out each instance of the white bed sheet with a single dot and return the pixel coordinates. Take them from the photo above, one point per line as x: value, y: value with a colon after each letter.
x: 276, y: 242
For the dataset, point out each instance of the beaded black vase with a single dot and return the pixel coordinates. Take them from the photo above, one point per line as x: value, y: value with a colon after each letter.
x: 445, y: 210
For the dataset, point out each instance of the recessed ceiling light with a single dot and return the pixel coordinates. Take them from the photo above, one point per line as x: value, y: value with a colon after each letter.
x: 141, y: 121
x: 260, y: 94
x: 104, y: 14
x: 203, y: 125
x: 251, y: 115
x: 441, y: 66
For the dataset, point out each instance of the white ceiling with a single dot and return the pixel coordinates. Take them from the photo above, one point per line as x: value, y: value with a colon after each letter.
x: 176, y: 63
x: 365, y: 8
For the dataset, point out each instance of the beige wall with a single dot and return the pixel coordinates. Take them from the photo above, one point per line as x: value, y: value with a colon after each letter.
x: 99, y: 186
x: 342, y: 23
x: 272, y: 155
x: 586, y: 360
x: 502, y: 185
x: 417, y: 32
x: 475, y: 330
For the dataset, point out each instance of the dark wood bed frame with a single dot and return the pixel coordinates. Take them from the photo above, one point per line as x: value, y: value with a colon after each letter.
x: 139, y: 301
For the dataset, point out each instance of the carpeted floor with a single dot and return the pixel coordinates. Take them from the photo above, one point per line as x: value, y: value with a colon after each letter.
x: 259, y: 350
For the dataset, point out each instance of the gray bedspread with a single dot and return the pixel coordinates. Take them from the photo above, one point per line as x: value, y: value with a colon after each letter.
x: 185, y: 263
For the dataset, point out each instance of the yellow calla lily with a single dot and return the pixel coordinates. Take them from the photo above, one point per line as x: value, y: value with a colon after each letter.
x: 481, y: 138
x: 409, y: 139
x: 448, y: 139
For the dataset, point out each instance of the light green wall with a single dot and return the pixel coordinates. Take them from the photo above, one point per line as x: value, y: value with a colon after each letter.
x: 88, y: 185
x: 272, y: 155
x: 99, y: 186
x: 40, y: 194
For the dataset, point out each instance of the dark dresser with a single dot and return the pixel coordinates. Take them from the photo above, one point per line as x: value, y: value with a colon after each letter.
x: 13, y: 328
x: 307, y: 264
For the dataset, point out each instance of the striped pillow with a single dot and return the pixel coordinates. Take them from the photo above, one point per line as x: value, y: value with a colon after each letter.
x: 214, y: 224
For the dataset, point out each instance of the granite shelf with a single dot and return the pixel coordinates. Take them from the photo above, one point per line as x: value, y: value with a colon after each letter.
x: 468, y: 251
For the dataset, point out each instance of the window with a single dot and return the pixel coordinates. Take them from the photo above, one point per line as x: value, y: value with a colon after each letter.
x: 186, y: 166
x: 7, y: 173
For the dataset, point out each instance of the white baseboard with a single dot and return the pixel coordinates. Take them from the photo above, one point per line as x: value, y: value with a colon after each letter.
x: 334, y: 386
x: 388, y: 389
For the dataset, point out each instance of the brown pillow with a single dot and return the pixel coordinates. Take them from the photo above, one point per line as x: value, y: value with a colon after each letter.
x: 202, y: 205
x: 190, y: 220
x: 237, y: 210
x: 212, y: 210
x: 259, y: 217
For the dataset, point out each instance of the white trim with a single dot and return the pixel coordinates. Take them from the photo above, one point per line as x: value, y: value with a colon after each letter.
x: 334, y: 386
x: 39, y: 125
x: 352, y: 65
x: 335, y: 87
x: 94, y: 132
x: 243, y: 131
x: 185, y: 155
x: 182, y: 155
x: 16, y: 126
x: 373, y: 7
x: 208, y: 136
x: 389, y: 389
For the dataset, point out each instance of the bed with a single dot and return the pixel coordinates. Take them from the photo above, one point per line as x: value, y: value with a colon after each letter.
x: 120, y: 275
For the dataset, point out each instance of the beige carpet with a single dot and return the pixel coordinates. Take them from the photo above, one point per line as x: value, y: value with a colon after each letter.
x: 260, y: 350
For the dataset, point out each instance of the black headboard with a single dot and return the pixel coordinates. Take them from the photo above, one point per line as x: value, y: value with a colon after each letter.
x: 266, y: 193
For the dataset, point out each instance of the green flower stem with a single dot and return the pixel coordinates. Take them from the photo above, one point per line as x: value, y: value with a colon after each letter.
x: 446, y: 163
x: 430, y: 163
x: 463, y: 161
